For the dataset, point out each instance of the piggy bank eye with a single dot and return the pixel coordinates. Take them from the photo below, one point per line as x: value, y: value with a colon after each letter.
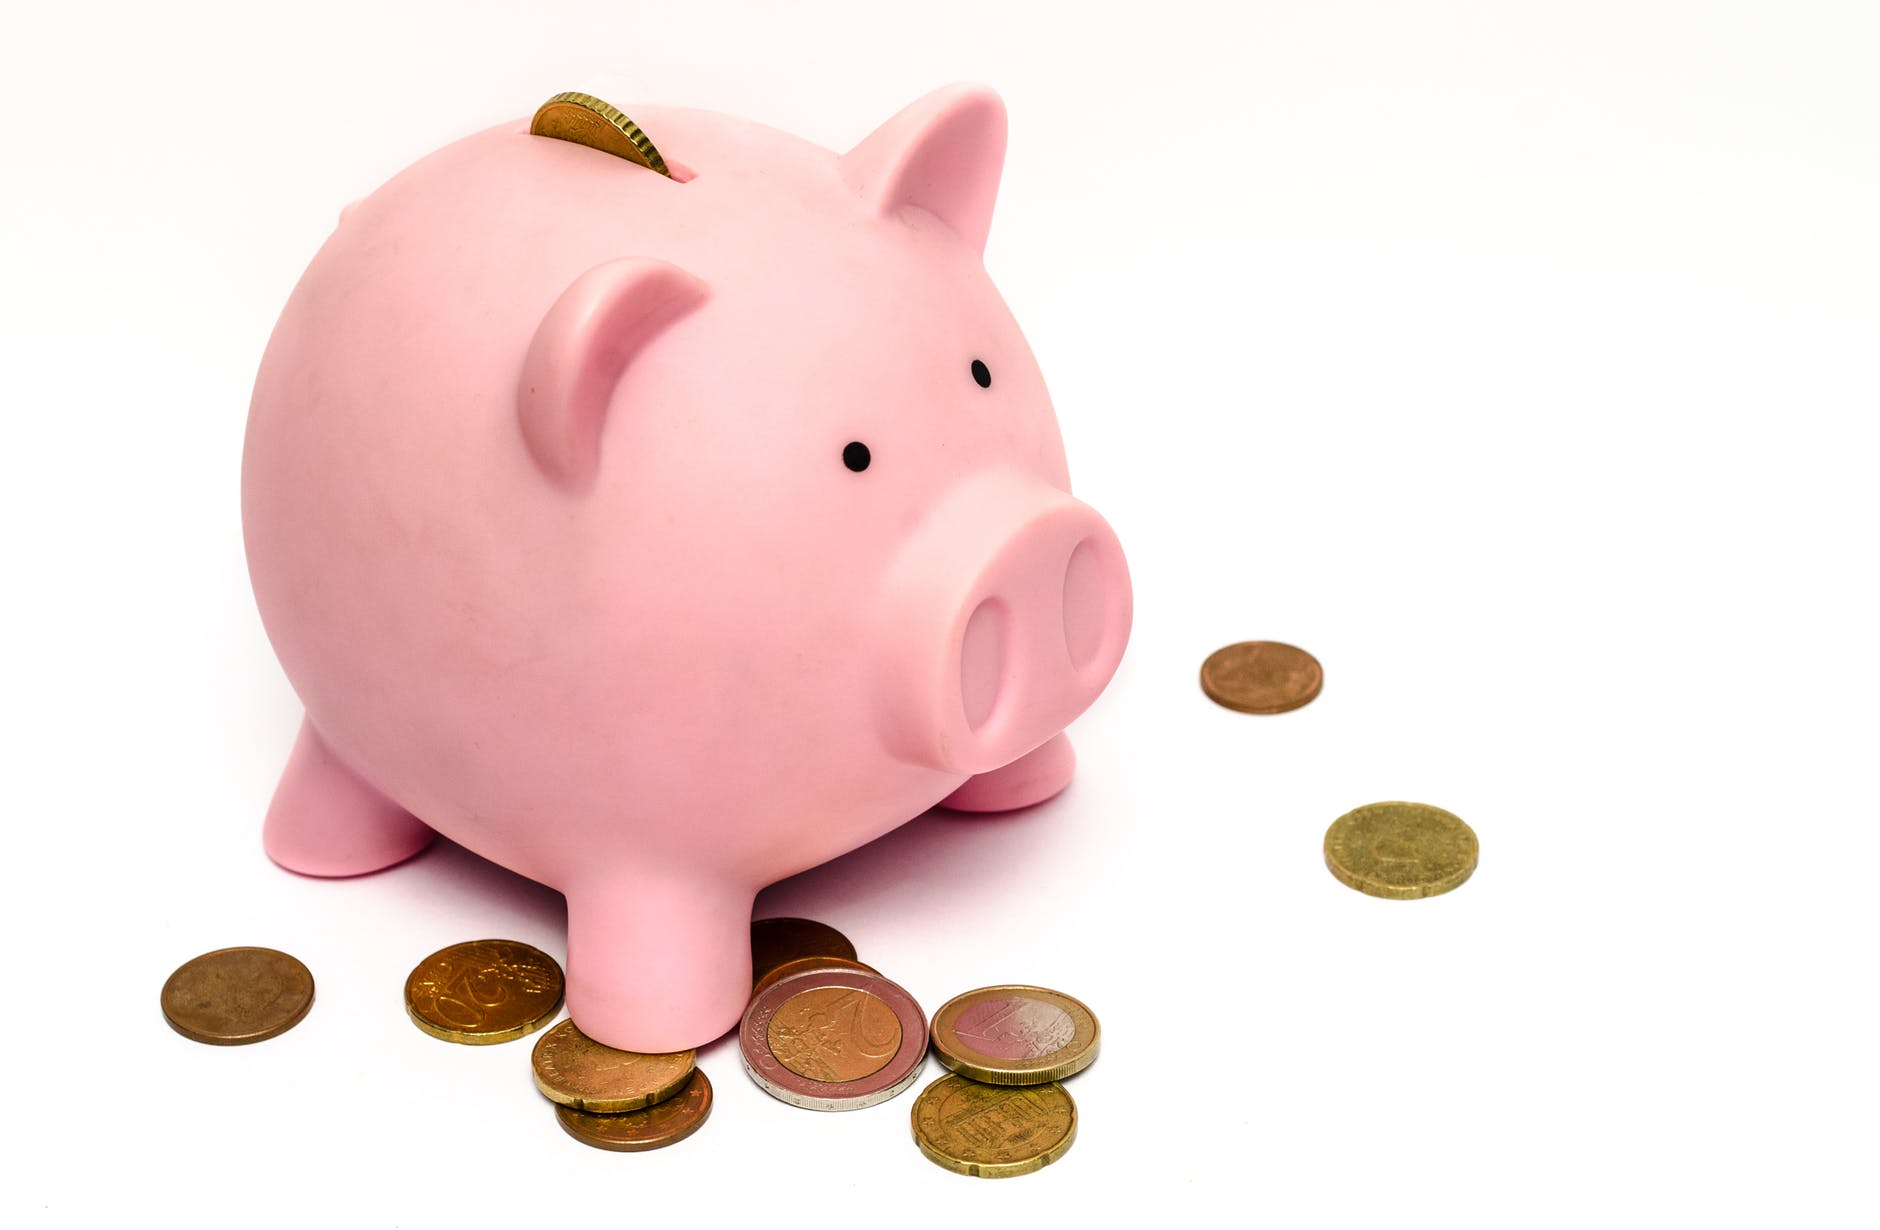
x: 855, y: 456
x: 982, y: 374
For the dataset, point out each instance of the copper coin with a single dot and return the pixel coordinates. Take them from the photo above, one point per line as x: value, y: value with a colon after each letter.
x: 597, y: 124
x: 776, y: 940
x: 573, y: 1069
x: 806, y: 965
x: 234, y: 996
x: 834, y: 1039
x: 484, y: 991
x: 666, y: 1123
x: 993, y: 1132
x: 1015, y: 1035
x: 1261, y: 677
x: 1401, y: 850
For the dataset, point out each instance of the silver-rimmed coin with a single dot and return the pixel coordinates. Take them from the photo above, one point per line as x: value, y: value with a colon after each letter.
x: 834, y: 1039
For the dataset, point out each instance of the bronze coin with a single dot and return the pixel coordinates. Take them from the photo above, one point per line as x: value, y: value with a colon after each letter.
x: 776, y: 940
x: 659, y: 1125
x: 590, y: 121
x: 991, y: 1131
x: 1401, y: 850
x: 234, y: 996
x: 1261, y: 677
x: 833, y: 1039
x: 806, y: 965
x: 1015, y: 1035
x: 573, y: 1069
x: 484, y: 991
x: 834, y: 1034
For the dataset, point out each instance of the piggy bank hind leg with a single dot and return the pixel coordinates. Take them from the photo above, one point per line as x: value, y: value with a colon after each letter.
x: 656, y: 964
x: 326, y: 821
x: 1039, y: 774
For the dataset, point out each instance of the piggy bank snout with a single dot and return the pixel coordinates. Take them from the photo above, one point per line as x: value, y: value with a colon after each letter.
x: 1009, y: 610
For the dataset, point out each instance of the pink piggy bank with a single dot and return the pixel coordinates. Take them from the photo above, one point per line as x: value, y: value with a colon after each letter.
x: 658, y: 538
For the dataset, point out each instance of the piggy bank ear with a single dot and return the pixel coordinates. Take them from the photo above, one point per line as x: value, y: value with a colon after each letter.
x: 943, y: 155
x: 579, y: 352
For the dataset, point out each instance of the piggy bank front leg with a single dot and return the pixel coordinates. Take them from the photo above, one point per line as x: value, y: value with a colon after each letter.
x: 1039, y: 774
x: 658, y: 964
x: 326, y: 820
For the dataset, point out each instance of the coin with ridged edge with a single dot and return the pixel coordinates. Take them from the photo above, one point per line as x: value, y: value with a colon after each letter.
x: 777, y: 940
x: 597, y: 124
x: 574, y: 1070
x: 664, y: 1123
x: 1401, y: 850
x: 1261, y: 677
x: 833, y: 1039
x: 993, y: 1131
x: 484, y: 991
x: 1015, y: 1035
x: 234, y: 996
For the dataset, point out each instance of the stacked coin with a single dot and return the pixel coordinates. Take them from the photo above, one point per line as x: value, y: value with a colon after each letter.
x: 822, y: 1030
x: 489, y: 991
x: 1002, y: 1111
x: 620, y: 1100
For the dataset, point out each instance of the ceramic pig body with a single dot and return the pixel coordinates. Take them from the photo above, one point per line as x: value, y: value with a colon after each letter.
x: 660, y: 538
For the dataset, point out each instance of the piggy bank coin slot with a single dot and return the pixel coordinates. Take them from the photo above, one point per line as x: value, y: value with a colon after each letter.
x: 597, y: 124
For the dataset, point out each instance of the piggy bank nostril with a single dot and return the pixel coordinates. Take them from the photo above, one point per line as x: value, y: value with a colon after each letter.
x: 982, y: 662
x: 1084, y: 606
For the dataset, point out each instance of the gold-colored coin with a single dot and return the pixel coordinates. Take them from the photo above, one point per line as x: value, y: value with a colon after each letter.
x: 234, y: 996
x: 666, y: 1123
x: 484, y: 991
x: 993, y: 1131
x: 777, y: 940
x: 1400, y: 850
x: 574, y: 1070
x: 806, y: 965
x: 1261, y: 677
x: 834, y: 1034
x: 587, y: 120
x: 1015, y: 1035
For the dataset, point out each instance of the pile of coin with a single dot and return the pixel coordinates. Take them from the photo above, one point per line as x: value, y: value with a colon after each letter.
x: 488, y: 991
x: 1002, y: 1111
x: 822, y: 1030
x: 825, y: 1032
x: 620, y: 1100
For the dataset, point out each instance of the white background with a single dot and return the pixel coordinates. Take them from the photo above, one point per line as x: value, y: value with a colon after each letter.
x: 1519, y: 360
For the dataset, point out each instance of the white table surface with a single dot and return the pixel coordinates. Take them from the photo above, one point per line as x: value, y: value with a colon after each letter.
x: 1521, y: 361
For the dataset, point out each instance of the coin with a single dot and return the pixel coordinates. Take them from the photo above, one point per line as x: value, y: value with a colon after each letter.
x: 586, y: 120
x: 1400, y: 850
x: 665, y: 1123
x: 1015, y: 1035
x: 484, y: 991
x: 805, y: 965
x: 776, y: 940
x: 234, y: 996
x: 1261, y: 677
x: 833, y: 1039
x: 573, y: 1069
x: 991, y: 1131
